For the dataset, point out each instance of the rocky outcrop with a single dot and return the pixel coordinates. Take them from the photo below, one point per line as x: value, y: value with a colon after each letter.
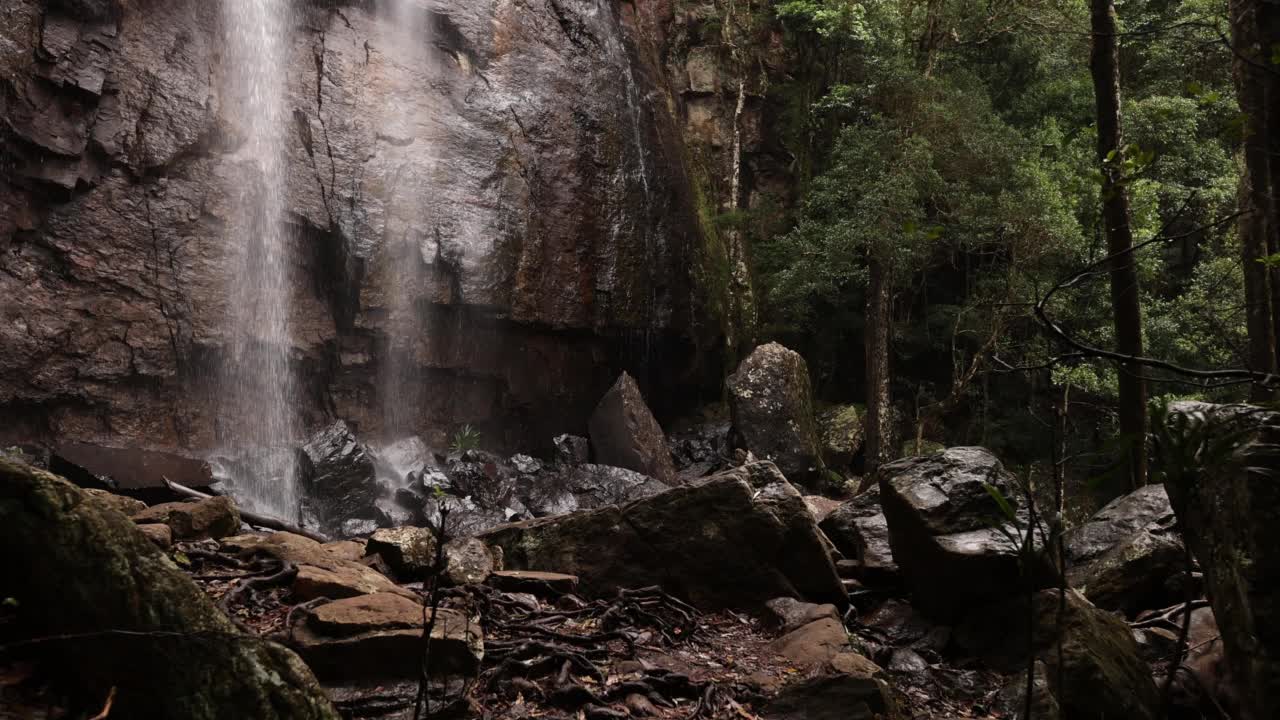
x: 756, y: 540
x: 1230, y: 515
x: 87, y: 570
x: 772, y: 406
x: 946, y: 530
x: 552, y: 237
x: 625, y: 434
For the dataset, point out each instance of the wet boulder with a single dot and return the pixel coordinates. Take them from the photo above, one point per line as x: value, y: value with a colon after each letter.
x: 571, y: 449
x: 859, y: 530
x: 772, y: 406
x: 343, y: 484
x: 599, y: 485
x: 755, y: 541
x: 948, y: 534
x: 1124, y: 557
x: 625, y: 434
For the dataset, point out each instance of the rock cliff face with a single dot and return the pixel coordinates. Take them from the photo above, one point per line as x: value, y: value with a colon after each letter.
x: 540, y: 162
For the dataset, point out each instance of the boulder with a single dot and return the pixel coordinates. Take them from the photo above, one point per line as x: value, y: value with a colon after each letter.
x: 595, y: 486
x: 345, y: 549
x: 132, y: 467
x: 343, y: 484
x: 159, y: 534
x: 1117, y: 521
x: 948, y: 535
x: 772, y: 407
x: 323, y: 571
x: 821, y: 506
x: 467, y: 562
x: 841, y: 432
x: 1103, y: 674
x: 485, y: 477
x: 409, y: 551
x: 1230, y: 517
x: 815, y: 643
x: 755, y: 541
x: 87, y: 571
x: 1134, y: 574
x: 790, y: 614
x: 625, y: 434
x: 1125, y: 555
x: 836, y: 696
x: 122, y: 504
x: 214, y: 517
x: 859, y: 530
x: 571, y: 449
x: 379, y: 637
x: 1012, y: 699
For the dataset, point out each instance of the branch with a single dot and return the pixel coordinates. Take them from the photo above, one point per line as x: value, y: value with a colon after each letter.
x: 1084, y: 349
x: 252, y: 518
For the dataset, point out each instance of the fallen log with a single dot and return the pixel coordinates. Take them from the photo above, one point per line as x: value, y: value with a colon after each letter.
x: 111, y: 610
x: 250, y: 517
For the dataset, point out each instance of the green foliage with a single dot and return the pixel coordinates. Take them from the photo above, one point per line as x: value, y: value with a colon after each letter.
x: 465, y: 438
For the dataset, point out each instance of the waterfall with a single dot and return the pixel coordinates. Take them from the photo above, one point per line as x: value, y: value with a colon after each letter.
x: 258, y: 387
x: 405, y: 146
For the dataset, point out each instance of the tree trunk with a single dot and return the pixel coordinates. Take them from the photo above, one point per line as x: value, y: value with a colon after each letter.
x: 1104, y: 65
x: 1267, y: 18
x: 130, y: 619
x: 1256, y: 201
x: 878, y: 318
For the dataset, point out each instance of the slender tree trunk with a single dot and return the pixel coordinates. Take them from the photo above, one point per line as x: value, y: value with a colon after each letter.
x: 1256, y: 201
x: 878, y: 317
x: 1104, y: 65
x: 1268, y: 128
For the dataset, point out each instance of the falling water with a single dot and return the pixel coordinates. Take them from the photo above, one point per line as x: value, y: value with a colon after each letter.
x: 258, y: 386
x: 405, y: 146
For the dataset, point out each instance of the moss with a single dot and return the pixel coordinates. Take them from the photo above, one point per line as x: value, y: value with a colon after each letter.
x: 87, y: 569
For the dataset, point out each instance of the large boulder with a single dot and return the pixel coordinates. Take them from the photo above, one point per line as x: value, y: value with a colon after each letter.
x: 754, y: 540
x: 772, y: 406
x: 1124, y: 557
x: 859, y: 530
x: 1229, y: 513
x: 948, y: 534
x: 379, y: 637
x: 214, y: 517
x: 625, y: 434
x: 1093, y: 665
x: 343, y: 484
x: 86, y: 571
